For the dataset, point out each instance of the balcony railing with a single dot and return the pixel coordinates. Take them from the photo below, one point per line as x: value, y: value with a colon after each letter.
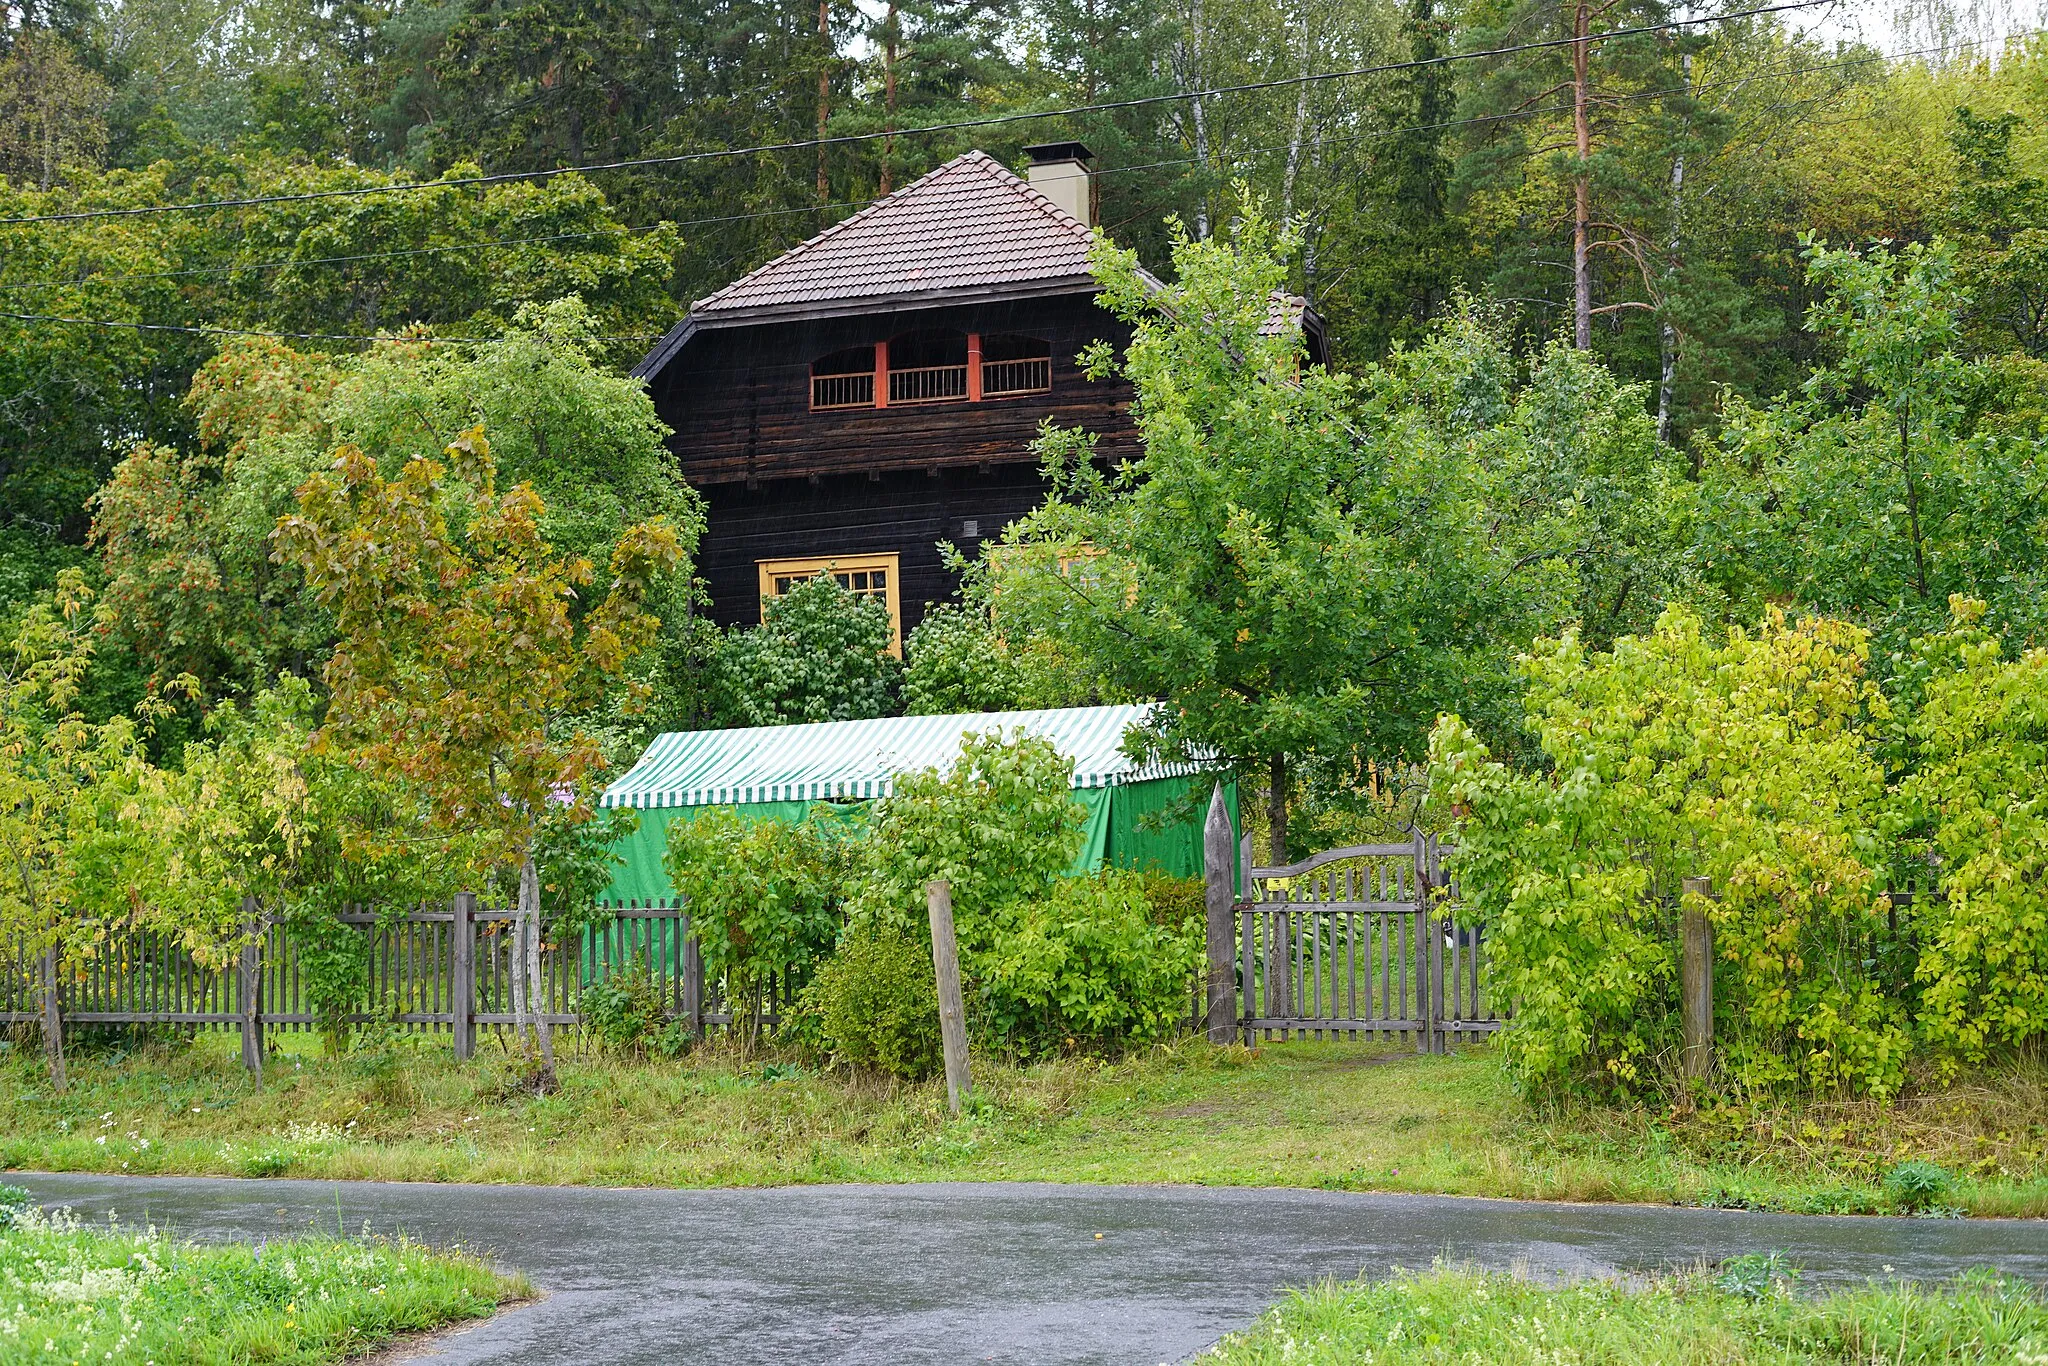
x: 928, y: 384
x: 934, y: 384
x: 1000, y: 378
x: 843, y: 391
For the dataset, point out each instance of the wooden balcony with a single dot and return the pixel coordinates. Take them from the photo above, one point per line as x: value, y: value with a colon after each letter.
x: 934, y: 384
x: 928, y: 384
x: 842, y: 391
x: 1002, y: 378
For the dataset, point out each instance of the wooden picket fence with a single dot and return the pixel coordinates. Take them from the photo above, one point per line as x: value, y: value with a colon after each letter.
x: 430, y: 969
x: 1356, y: 943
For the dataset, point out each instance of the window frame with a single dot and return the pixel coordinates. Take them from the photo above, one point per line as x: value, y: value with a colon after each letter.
x: 810, y: 566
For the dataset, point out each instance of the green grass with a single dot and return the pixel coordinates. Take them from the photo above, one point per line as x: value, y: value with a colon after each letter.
x: 1452, y: 1316
x: 1337, y: 1116
x: 71, y: 1292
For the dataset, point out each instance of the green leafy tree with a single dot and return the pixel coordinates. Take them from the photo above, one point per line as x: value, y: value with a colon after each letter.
x: 184, y: 538
x: 1874, y: 494
x: 1997, y: 222
x: 1752, y: 763
x: 1980, y: 742
x: 67, y: 789
x: 461, y: 658
x: 1285, y: 579
x: 821, y: 653
x: 764, y: 898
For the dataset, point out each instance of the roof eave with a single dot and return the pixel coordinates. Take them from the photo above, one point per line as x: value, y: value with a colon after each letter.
x: 679, y: 336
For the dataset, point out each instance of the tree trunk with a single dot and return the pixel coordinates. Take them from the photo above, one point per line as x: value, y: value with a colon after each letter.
x: 1667, y: 375
x: 1582, y: 187
x: 1299, y: 131
x: 824, y: 92
x: 888, y: 95
x: 1200, y: 115
x: 1276, y: 809
x: 537, y: 996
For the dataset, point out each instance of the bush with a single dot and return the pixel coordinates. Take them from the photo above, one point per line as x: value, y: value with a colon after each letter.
x: 764, y: 896
x: 1053, y: 963
x: 1176, y: 903
x: 1982, y: 745
x: 1000, y: 827
x: 625, y: 1008
x: 878, y: 1007
x: 1917, y: 1184
x: 821, y: 653
x: 957, y: 661
x: 1752, y: 762
x: 1085, y: 967
x: 953, y: 662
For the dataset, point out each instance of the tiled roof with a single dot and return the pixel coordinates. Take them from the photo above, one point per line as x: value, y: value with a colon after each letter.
x: 1283, y: 314
x: 969, y: 226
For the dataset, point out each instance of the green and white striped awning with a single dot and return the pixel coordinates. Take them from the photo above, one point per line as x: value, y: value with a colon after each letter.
x: 854, y: 759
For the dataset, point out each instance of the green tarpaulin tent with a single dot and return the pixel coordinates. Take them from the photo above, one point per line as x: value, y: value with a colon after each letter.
x: 779, y: 772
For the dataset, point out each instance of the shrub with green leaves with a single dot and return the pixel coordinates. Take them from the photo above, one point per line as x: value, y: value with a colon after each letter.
x: 764, y: 896
x: 877, y: 1005
x: 1751, y: 762
x: 954, y: 662
x: 626, y: 1007
x: 1085, y: 967
x: 1980, y: 794
x: 1000, y: 826
x: 821, y: 653
x: 957, y: 660
x: 1051, y: 962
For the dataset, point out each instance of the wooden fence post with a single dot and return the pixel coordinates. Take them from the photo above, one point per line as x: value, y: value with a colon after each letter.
x: 1244, y: 866
x: 1696, y: 982
x: 462, y: 967
x: 53, y: 1016
x: 252, y: 990
x: 938, y: 900
x: 693, y: 978
x: 1217, y: 849
x: 1425, y: 1006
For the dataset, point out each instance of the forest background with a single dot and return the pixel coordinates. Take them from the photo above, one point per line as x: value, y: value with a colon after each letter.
x: 1440, y: 214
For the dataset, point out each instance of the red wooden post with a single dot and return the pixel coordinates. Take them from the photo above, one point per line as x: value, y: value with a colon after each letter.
x: 881, y: 374
x: 974, y: 367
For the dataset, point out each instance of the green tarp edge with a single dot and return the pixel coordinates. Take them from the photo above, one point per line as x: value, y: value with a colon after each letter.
x: 1117, y: 834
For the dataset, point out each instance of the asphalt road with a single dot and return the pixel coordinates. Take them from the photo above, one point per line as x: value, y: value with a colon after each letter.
x: 972, y: 1273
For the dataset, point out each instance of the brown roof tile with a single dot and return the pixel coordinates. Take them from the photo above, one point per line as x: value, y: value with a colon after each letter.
x: 968, y: 226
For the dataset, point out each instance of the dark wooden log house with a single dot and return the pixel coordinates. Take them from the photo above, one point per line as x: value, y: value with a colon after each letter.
x: 876, y: 389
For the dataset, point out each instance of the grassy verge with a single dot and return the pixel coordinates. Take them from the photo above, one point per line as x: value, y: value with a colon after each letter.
x: 1453, y: 1316
x: 71, y: 1293
x: 1338, y: 1116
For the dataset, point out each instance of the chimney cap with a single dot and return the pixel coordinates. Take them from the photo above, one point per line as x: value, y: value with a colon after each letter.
x: 1046, y: 153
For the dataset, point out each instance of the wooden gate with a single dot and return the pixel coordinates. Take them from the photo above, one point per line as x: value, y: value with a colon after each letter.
x: 1356, y: 942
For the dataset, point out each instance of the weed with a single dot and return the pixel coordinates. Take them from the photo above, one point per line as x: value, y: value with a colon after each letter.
x: 1917, y: 1184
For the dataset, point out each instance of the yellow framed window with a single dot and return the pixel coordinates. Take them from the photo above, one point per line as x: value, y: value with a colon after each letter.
x: 868, y: 576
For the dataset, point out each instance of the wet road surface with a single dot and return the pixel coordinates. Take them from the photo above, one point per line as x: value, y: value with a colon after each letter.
x: 996, y: 1273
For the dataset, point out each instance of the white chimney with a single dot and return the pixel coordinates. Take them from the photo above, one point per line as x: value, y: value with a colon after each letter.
x: 1059, y: 171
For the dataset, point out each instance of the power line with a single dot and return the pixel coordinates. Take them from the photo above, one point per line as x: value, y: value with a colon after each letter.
x: 208, y: 329
x: 1780, y: 73
x: 284, y: 263
x: 843, y: 139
